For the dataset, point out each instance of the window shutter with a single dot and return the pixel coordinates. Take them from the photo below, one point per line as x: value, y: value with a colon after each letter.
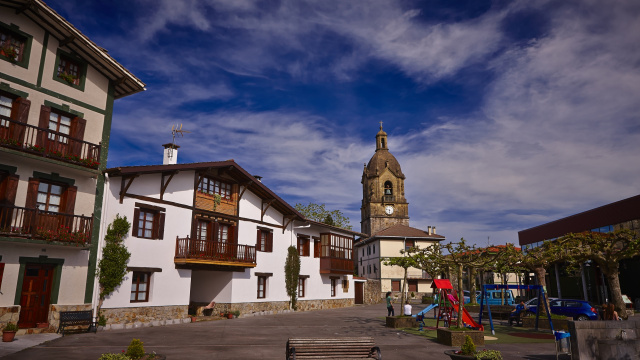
x: 258, y: 245
x: 70, y: 199
x: 9, y: 196
x: 32, y: 193
x: 231, y: 235
x: 43, y: 124
x: 136, y: 220
x: 270, y: 241
x: 160, y: 222
x: 19, y: 113
x: 77, y: 132
x: 216, y: 235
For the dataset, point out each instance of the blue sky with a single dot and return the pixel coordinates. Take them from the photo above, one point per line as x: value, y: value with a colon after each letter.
x: 503, y: 114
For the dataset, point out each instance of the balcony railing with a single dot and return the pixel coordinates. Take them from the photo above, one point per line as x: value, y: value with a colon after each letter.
x: 333, y: 265
x: 48, y: 143
x: 45, y: 225
x: 214, y: 252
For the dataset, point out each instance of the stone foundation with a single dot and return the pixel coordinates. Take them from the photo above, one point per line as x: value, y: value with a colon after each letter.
x: 128, y: 318
x: 12, y: 314
x: 267, y: 308
x: 372, y: 293
x: 9, y: 314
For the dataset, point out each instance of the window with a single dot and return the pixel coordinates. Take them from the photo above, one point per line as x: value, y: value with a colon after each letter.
x: 316, y: 247
x: 49, y: 197
x: 140, y: 286
x: 211, y: 186
x: 60, y: 127
x: 408, y: 244
x: 368, y: 250
x: 333, y: 287
x: 12, y: 45
x: 224, y: 233
x: 265, y: 240
x: 303, y: 245
x: 6, y: 104
x: 262, y: 287
x: 388, y: 189
x: 69, y: 70
x: 374, y: 248
x: 301, y: 282
x: 369, y: 269
x: 395, y: 285
x: 345, y: 285
x: 149, y: 222
x: 375, y: 269
x: 336, y: 246
x: 209, y: 230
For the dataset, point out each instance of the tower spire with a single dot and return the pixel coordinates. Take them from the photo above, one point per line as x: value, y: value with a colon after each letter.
x: 381, y: 139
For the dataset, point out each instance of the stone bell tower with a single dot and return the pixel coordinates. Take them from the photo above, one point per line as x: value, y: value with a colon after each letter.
x: 383, y: 201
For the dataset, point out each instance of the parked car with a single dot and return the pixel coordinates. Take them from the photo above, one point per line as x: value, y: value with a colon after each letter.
x: 534, y: 301
x: 494, y: 297
x: 466, y: 293
x: 577, y: 309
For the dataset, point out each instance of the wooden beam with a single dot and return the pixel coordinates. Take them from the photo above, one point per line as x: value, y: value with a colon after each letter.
x: 123, y: 187
x: 264, y: 210
x: 66, y: 41
x: 285, y: 222
x: 27, y: 6
x: 163, y: 184
x: 246, y: 186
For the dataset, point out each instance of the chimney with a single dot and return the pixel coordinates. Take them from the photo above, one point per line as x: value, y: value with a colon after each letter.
x: 258, y: 177
x: 429, y: 230
x: 434, y: 230
x: 170, y: 156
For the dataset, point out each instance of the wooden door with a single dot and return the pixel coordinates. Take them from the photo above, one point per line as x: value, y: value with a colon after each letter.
x: 359, y: 292
x: 36, y: 294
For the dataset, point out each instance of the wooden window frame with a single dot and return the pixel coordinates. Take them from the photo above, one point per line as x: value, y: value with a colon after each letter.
x: 398, y: 282
x: 61, y: 204
x: 157, y: 226
x: 408, y: 244
x: 82, y: 65
x: 301, y: 287
x: 137, y: 284
x: 210, y: 185
x: 303, y: 245
x: 262, y: 280
x: 317, y: 246
x: 264, y: 241
x: 333, y: 287
x: 25, y: 48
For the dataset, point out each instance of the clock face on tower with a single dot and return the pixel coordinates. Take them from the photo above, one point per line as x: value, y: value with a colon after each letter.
x: 388, y: 209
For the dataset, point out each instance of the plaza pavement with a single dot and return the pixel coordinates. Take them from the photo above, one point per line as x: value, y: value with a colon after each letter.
x: 260, y: 337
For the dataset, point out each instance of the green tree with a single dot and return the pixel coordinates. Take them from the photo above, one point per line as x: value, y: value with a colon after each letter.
x: 318, y: 213
x: 112, y: 267
x: 606, y: 250
x: 536, y: 259
x: 428, y: 259
x: 291, y: 275
x: 405, y: 262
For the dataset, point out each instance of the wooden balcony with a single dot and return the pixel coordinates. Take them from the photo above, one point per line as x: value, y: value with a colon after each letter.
x: 333, y: 265
x: 49, y: 226
x: 213, y: 255
x: 48, y: 143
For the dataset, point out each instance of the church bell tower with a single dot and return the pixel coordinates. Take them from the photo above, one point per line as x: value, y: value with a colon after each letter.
x: 383, y: 201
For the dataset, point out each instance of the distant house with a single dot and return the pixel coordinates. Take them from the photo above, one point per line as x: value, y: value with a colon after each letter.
x: 57, y: 92
x: 186, y: 251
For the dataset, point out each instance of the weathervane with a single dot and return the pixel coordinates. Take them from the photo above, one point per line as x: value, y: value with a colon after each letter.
x: 175, y: 130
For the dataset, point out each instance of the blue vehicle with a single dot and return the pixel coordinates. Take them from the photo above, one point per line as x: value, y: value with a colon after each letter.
x: 577, y: 309
x: 494, y: 297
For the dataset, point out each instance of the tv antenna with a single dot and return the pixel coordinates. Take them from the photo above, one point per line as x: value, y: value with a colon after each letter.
x: 175, y: 129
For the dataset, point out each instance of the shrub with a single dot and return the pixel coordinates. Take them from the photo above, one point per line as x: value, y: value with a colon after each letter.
x: 489, y: 355
x: 135, y: 350
x: 111, y: 356
x: 468, y: 348
x: 10, y: 327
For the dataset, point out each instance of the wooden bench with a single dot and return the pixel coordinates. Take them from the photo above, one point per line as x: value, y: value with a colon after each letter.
x: 77, y: 318
x: 332, y: 348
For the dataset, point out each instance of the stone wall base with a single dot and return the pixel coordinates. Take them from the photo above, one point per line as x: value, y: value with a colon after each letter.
x: 12, y: 314
x: 131, y: 318
x: 267, y: 308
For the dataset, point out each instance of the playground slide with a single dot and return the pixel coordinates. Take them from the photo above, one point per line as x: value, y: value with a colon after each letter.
x: 467, y: 319
x: 427, y: 309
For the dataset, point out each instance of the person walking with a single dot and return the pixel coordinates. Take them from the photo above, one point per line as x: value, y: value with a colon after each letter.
x: 390, y: 311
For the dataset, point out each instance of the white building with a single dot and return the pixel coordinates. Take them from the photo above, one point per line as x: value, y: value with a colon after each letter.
x: 185, y: 250
x: 57, y: 93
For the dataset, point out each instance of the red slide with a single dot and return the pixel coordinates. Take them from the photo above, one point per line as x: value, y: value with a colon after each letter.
x: 466, y: 317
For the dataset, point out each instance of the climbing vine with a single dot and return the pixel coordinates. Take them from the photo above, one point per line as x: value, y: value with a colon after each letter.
x: 291, y: 275
x: 112, y: 268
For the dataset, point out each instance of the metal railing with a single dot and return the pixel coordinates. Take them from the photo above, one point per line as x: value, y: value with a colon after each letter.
x: 45, y: 225
x: 187, y: 248
x: 48, y: 143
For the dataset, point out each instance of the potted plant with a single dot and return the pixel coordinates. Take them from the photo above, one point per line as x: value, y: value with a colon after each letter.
x: 236, y: 313
x: 230, y: 315
x: 71, y: 79
x: 10, y: 52
x: 9, y: 332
